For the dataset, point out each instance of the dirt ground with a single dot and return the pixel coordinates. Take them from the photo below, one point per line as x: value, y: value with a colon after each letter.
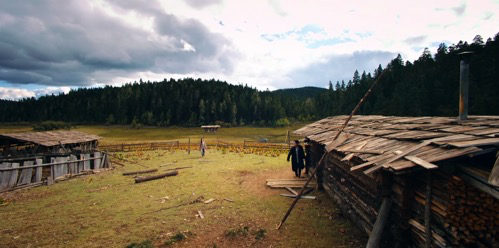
x: 109, y: 210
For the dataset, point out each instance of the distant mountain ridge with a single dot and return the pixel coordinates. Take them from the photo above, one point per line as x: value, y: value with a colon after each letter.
x: 300, y: 93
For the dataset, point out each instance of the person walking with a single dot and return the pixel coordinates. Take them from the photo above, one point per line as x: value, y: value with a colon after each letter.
x: 203, y: 147
x: 308, y: 156
x: 297, y: 156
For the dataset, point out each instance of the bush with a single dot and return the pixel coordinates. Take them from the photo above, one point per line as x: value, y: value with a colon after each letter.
x: 52, y: 125
x: 135, y: 124
x: 283, y: 122
x: 145, y: 244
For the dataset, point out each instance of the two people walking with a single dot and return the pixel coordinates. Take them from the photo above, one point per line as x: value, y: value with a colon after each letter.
x: 299, y: 160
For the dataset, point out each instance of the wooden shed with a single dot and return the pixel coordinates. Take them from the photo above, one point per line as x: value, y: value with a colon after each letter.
x: 425, y: 173
x: 37, y: 158
x: 22, y: 144
x: 210, y: 128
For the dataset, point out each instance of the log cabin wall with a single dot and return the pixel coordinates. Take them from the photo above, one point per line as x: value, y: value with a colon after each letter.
x: 461, y: 215
x: 355, y: 193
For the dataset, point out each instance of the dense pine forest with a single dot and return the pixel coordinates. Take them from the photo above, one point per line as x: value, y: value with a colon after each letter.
x: 426, y: 86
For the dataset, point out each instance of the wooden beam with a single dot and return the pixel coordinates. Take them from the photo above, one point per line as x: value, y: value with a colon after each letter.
x: 421, y: 162
x: 139, y: 172
x: 292, y: 190
x: 145, y: 179
x: 478, y: 184
x: 302, y: 197
x: 494, y: 174
x: 379, y: 225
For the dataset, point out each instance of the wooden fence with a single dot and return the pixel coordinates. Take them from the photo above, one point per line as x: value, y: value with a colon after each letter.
x: 33, y: 171
x: 140, y: 146
x: 188, y: 146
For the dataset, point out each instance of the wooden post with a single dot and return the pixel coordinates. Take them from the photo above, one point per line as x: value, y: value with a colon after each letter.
x: 380, y: 223
x: 244, y: 144
x: 122, y: 147
x: 189, y: 146
x: 38, y: 173
x: 4, y: 175
x: 289, y: 140
x: 427, y: 210
x: 73, y: 167
x: 25, y: 175
x: 97, y: 160
x: 13, y: 175
x: 86, y: 164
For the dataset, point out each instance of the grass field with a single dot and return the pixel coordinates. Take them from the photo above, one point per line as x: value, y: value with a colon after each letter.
x: 110, y: 210
x: 117, y: 134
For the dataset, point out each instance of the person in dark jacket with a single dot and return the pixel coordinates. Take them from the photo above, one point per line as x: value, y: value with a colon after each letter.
x: 297, y: 156
x: 308, y: 156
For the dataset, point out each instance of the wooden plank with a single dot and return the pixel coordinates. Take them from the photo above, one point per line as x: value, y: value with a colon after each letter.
x: 291, y: 186
x: 291, y: 179
x: 494, y: 174
x: 292, y: 190
x: 350, y: 156
x: 386, y: 164
x: 39, y: 170
x: 478, y: 142
x: 421, y: 162
x: 86, y: 164
x: 81, y: 164
x: 13, y: 175
x: 378, y: 152
x: 73, y: 167
x: 302, y: 197
x: 26, y: 174
x: 5, y: 175
x: 332, y: 145
x: 97, y: 156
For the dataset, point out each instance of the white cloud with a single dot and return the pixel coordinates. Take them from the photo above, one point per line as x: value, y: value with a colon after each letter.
x: 18, y: 94
x: 15, y: 94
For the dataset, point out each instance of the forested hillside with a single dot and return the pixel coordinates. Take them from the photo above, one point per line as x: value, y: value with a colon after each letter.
x: 170, y: 102
x: 427, y: 86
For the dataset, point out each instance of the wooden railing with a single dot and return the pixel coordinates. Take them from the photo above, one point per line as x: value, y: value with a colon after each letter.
x: 33, y: 171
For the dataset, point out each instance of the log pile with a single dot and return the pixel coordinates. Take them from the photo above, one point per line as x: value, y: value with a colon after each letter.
x: 472, y: 215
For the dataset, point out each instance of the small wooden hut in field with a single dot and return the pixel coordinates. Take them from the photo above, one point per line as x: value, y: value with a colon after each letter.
x: 32, y: 158
x: 415, y: 173
x: 210, y: 128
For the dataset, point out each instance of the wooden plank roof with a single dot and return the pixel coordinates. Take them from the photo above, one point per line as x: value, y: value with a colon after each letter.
x: 52, y: 138
x: 445, y: 137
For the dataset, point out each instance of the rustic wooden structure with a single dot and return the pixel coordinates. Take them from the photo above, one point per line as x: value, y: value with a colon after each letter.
x: 211, y: 128
x: 437, y: 178
x: 36, y: 157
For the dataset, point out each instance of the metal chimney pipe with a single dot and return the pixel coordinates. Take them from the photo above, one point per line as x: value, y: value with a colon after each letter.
x: 464, y: 79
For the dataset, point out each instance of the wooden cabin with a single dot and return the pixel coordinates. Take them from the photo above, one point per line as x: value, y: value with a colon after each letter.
x: 211, y: 128
x: 22, y: 144
x: 414, y: 174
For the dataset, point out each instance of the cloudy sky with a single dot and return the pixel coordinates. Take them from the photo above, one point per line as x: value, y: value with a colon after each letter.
x: 53, y: 46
